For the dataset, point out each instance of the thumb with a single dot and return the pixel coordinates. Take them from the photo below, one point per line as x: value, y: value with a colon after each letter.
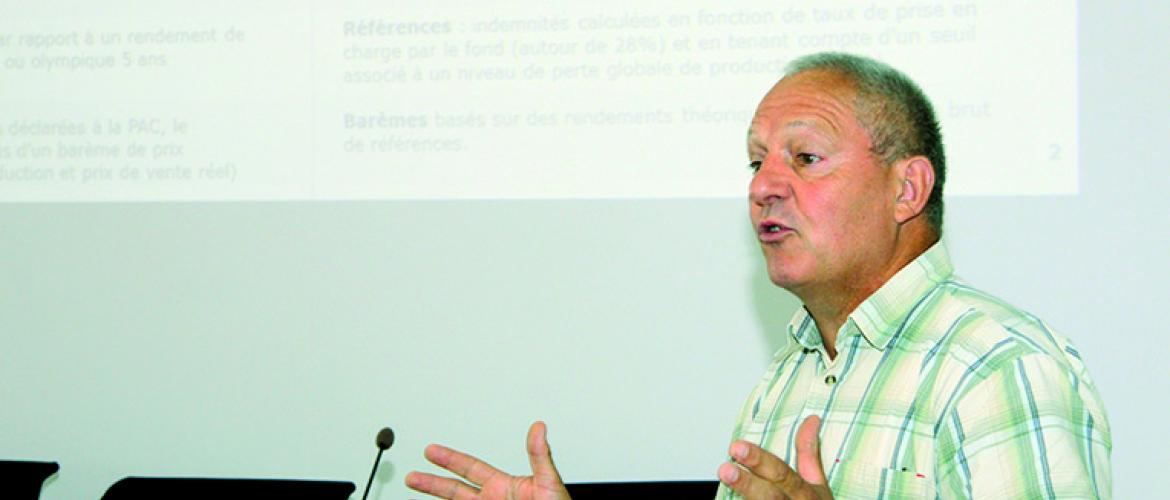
x: 540, y: 455
x: 808, y: 451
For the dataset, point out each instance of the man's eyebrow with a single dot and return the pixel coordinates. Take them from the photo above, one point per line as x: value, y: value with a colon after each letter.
x: 752, y: 138
x: 814, y: 128
x: 755, y: 143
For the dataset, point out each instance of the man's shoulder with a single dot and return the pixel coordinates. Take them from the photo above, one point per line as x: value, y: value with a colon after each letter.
x: 982, y: 332
x: 976, y: 347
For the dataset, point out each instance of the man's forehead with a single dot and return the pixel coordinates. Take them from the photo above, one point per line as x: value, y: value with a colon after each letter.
x: 794, y: 123
x: 813, y: 100
x: 827, y: 80
x: 755, y: 135
x: 766, y: 125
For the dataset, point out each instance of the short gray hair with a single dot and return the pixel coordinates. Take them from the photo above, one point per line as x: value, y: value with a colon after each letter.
x: 894, y: 111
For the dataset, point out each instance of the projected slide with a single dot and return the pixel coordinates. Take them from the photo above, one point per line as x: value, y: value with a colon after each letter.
x: 272, y: 100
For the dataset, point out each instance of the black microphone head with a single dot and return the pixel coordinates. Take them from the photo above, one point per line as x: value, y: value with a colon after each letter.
x: 385, y: 438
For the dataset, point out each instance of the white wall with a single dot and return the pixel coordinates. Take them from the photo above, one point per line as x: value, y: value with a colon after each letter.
x: 273, y: 339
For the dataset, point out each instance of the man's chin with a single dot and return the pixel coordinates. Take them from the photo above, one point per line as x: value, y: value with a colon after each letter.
x: 785, y: 278
x: 784, y: 269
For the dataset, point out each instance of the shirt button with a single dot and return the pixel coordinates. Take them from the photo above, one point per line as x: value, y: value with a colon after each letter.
x: 830, y: 380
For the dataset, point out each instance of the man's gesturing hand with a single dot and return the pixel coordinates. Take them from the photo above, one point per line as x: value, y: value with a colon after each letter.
x: 760, y: 475
x: 488, y: 483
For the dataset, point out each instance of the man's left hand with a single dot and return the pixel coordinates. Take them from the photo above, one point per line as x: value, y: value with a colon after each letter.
x: 756, y: 474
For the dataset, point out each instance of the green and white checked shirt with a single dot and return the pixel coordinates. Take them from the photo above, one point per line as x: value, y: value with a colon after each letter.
x: 938, y: 390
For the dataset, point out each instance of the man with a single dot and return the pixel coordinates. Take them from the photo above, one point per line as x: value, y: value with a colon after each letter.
x: 900, y: 381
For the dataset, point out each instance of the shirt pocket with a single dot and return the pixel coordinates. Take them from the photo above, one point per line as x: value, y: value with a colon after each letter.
x: 860, y: 480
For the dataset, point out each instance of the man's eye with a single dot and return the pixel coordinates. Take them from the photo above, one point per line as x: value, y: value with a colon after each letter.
x: 807, y: 158
x: 755, y: 166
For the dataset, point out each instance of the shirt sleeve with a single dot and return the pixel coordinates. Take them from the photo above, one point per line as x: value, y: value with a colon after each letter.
x: 1030, y: 429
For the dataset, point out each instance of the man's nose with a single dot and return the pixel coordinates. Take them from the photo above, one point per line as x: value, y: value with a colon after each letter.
x: 772, y: 182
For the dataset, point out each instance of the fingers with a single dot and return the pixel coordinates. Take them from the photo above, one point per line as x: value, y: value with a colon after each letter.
x: 466, y: 466
x: 764, y: 465
x: 748, y: 485
x: 808, y: 451
x: 540, y: 455
x: 757, y: 474
x: 486, y: 480
x: 442, y: 487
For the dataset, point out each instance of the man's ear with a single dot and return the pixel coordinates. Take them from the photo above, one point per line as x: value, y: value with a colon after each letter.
x: 915, y: 176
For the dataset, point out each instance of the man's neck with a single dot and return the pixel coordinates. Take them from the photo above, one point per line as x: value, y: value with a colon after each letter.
x: 830, y: 308
x: 830, y: 315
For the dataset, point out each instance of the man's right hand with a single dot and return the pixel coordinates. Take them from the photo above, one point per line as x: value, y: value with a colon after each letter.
x: 489, y: 483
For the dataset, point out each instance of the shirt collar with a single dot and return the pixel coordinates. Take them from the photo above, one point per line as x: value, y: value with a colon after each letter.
x: 803, y: 331
x: 882, y: 313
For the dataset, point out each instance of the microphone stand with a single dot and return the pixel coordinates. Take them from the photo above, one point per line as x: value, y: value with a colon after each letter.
x: 370, y: 481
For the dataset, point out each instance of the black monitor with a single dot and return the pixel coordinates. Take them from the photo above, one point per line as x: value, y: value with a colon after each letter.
x: 135, y: 488
x: 674, y: 490
x: 20, y: 479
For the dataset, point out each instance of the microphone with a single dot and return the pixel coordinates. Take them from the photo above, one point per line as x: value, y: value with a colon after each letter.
x: 383, y: 441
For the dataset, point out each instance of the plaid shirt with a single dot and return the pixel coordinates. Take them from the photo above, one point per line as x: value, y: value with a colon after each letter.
x: 937, y: 391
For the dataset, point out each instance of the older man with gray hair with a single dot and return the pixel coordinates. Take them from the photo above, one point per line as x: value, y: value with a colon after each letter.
x: 899, y: 380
